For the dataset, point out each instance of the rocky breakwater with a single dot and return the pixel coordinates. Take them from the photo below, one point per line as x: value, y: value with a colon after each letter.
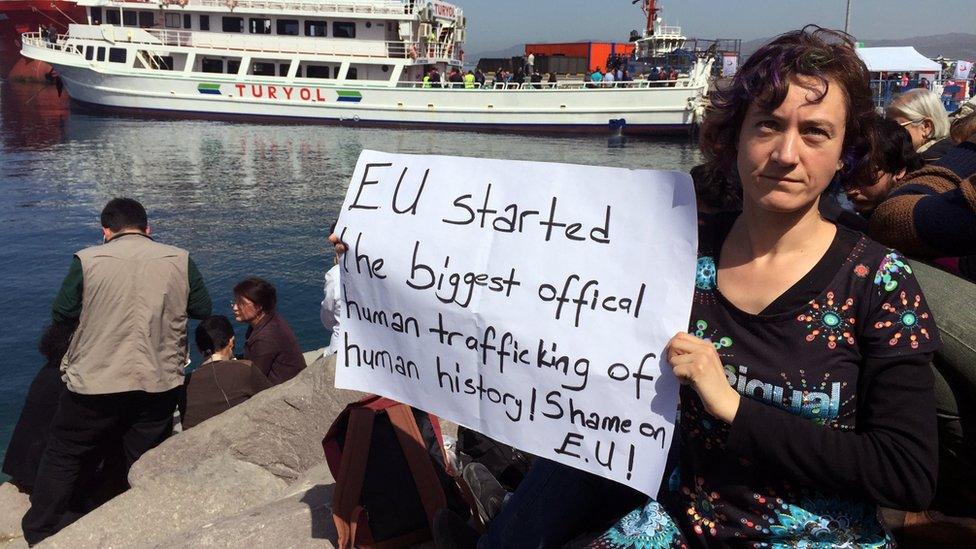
x: 255, y: 476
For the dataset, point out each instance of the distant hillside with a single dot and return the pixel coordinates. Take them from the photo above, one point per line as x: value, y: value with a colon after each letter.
x: 513, y: 51
x: 955, y: 45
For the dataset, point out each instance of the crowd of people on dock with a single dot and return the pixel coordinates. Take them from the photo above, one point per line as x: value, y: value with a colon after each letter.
x: 809, y: 400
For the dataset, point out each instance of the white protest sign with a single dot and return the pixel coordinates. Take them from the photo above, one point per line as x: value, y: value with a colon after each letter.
x: 529, y: 301
x: 963, y: 70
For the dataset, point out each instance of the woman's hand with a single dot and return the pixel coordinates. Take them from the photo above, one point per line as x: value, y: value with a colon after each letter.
x: 340, y: 246
x: 696, y: 363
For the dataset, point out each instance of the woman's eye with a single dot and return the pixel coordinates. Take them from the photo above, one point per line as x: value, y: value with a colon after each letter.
x: 767, y: 125
x: 819, y: 133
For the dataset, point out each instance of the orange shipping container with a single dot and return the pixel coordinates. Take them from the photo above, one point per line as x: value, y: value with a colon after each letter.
x: 596, y: 53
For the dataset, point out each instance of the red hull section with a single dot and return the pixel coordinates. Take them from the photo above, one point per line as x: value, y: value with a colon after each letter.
x: 20, y: 16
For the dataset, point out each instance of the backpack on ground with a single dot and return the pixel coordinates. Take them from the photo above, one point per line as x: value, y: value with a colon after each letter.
x: 505, y: 463
x: 391, y: 474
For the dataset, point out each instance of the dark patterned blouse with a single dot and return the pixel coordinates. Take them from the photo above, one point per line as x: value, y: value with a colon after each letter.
x: 837, y: 416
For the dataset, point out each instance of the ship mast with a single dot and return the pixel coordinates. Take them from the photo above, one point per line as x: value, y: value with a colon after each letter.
x: 650, y: 9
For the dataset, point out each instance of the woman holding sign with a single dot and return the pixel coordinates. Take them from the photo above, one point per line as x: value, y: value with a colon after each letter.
x: 807, y: 398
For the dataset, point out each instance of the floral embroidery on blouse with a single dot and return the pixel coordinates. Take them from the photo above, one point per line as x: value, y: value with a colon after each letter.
x: 893, y: 268
x: 706, y: 274
x: 906, y: 320
x: 830, y: 322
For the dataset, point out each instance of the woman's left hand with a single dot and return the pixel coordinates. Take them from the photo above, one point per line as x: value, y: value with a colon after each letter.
x: 695, y: 362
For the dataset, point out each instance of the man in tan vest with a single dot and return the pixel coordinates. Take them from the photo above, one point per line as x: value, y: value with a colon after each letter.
x: 123, y: 369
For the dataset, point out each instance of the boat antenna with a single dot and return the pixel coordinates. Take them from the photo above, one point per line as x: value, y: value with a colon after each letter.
x: 847, y: 20
x: 650, y: 9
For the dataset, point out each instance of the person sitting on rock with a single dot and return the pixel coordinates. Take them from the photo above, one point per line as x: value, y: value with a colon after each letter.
x: 270, y: 345
x: 221, y: 382
x: 330, y: 310
x: 29, y: 438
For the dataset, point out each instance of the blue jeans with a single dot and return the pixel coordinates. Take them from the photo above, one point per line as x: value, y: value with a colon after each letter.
x: 555, y: 504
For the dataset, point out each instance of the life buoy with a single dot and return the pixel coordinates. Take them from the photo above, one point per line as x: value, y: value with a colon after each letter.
x: 183, y: 3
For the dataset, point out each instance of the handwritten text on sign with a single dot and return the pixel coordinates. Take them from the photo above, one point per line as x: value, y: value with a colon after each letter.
x: 529, y: 301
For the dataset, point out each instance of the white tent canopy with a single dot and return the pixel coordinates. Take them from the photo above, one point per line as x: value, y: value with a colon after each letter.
x: 897, y: 59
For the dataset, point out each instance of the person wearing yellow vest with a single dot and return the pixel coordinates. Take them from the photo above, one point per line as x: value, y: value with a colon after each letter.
x: 469, y: 81
x: 427, y: 80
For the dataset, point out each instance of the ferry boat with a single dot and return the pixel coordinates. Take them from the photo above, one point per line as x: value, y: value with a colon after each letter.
x: 341, y: 61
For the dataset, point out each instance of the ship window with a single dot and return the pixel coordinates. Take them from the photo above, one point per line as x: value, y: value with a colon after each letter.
x: 204, y: 22
x: 353, y: 74
x: 187, y: 21
x: 260, y: 25
x: 130, y: 18
x: 113, y: 17
x: 90, y: 53
x: 341, y: 29
x: 165, y: 62
x: 288, y: 27
x: 317, y: 71
x: 101, y: 54
x: 96, y: 15
x: 233, y: 66
x: 263, y: 69
x: 172, y: 21
x: 316, y: 28
x: 146, y: 19
x: 212, y: 65
x: 233, y: 24
x: 116, y: 55
x: 283, y: 69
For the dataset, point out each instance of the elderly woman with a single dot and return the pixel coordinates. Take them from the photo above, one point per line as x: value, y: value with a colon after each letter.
x: 921, y: 112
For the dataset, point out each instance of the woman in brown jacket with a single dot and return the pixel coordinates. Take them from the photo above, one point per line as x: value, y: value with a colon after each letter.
x: 270, y: 345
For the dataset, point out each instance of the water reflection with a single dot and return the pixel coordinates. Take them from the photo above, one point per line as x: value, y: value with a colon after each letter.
x: 33, y: 114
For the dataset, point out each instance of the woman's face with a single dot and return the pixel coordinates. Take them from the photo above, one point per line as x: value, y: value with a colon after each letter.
x: 920, y: 129
x: 788, y: 157
x: 867, y: 197
x: 244, y: 309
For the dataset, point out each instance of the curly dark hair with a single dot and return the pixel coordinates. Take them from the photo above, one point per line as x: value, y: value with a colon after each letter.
x: 764, y: 79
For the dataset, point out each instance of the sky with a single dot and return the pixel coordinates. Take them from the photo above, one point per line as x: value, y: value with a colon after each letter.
x: 499, y: 24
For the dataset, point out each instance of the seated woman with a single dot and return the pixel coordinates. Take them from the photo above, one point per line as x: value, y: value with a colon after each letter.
x: 270, y: 343
x: 29, y: 438
x: 893, y: 159
x: 931, y: 214
x: 806, y: 398
x: 221, y: 382
x: 921, y: 112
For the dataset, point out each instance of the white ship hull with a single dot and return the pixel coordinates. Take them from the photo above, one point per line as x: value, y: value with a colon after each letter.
x: 237, y: 58
x: 646, y: 110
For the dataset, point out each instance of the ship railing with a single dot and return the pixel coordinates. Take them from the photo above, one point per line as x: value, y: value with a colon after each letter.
x: 374, y: 7
x: 37, y: 40
x: 396, y: 49
x: 361, y: 48
x: 564, y: 85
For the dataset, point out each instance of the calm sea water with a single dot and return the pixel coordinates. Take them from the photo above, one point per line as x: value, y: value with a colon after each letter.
x: 245, y: 199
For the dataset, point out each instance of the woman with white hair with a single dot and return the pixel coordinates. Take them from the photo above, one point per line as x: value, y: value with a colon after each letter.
x: 921, y: 113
